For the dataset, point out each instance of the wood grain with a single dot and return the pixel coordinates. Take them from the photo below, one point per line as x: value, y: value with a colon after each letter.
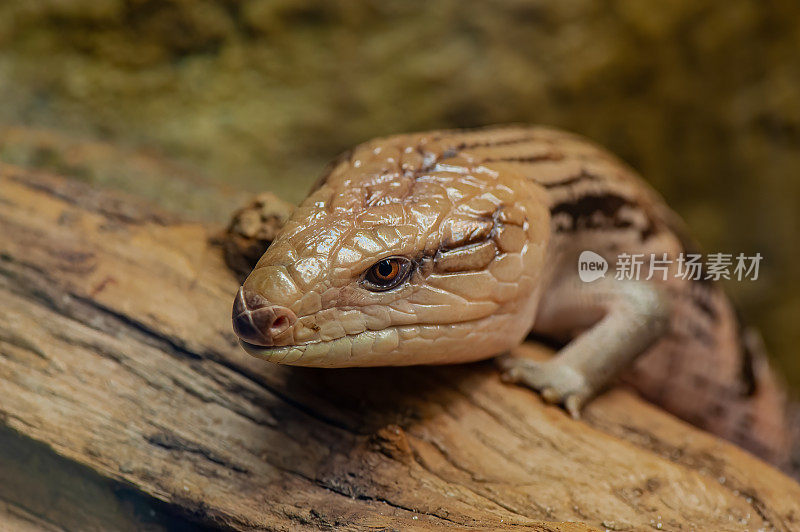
x: 118, y: 365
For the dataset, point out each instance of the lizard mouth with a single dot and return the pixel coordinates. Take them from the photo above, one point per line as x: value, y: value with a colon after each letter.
x: 368, y: 348
x: 270, y: 354
x: 257, y: 350
x: 349, y: 350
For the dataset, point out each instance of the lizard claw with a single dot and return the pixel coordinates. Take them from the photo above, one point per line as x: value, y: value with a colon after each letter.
x: 556, y: 382
x: 573, y: 404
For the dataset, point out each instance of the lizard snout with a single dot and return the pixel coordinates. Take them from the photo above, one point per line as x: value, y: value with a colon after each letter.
x: 258, y: 322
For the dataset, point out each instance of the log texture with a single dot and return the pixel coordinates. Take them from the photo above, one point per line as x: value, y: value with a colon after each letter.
x: 125, y: 402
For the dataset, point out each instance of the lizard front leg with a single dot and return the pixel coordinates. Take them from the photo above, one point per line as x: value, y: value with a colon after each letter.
x: 632, y: 316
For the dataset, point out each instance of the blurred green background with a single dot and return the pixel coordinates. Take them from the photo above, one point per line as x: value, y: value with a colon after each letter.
x: 197, y: 104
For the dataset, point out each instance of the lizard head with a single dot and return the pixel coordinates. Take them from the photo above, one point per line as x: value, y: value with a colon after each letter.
x: 406, y: 252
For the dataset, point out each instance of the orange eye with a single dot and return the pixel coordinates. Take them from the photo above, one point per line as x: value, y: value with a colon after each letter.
x: 387, y: 274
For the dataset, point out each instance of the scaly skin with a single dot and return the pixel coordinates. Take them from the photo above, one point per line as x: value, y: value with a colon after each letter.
x: 492, y: 222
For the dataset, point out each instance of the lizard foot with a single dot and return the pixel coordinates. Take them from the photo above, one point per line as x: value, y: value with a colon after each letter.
x: 556, y: 382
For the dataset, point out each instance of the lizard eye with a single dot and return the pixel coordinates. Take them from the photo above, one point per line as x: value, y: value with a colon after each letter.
x: 387, y: 274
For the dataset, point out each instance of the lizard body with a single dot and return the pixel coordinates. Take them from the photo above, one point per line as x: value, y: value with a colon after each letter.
x: 452, y: 246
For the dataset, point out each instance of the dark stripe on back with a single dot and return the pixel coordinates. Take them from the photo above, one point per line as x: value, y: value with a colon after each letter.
x: 748, y: 354
x: 526, y: 159
x: 583, y: 176
x: 583, y: 214
x: 491, y: 144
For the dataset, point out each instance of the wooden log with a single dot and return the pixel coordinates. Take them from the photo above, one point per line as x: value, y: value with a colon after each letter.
x: 124, y: 399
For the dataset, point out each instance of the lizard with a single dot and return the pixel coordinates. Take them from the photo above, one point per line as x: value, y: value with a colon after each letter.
x: 453, y: 246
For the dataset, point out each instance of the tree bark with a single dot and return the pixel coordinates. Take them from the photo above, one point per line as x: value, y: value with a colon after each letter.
x: 125, y: 401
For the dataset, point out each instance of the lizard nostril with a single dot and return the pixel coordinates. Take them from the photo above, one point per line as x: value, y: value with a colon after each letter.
x: 281, y: 323
x: 256, y: 321
x: 273, y: 320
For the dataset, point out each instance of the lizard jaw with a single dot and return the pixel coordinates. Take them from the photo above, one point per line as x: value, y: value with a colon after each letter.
x: 401, y: 345
x: 352, y: 350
